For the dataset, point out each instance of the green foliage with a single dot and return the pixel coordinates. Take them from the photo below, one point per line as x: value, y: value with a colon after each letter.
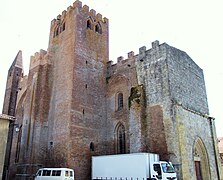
x: 134, y: 95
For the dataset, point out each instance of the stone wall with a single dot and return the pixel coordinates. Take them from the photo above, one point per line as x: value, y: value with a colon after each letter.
x: 186, y: 80
x: 170, y: 76
x: 192, y: 126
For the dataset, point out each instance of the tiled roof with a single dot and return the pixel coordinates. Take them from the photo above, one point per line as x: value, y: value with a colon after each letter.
x: 6, y: 117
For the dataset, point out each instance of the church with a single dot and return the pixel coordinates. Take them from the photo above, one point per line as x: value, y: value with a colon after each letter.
x: 75, y: 103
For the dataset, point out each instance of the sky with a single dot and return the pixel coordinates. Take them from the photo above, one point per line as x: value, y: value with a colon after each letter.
x: 192, y: 26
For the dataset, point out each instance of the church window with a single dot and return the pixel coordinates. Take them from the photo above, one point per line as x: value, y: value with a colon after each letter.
x: 120, y: 101
x: 98, y: 29
x: 89, y: 24
x: 63, y: 26
x: 56, y: 33
x: 92, y: 146
x: 120, y: 139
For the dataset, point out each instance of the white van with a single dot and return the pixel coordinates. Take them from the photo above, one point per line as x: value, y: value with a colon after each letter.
x: 55, y: 174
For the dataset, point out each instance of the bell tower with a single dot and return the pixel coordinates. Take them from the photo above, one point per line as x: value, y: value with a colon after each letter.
x: 78, y: 48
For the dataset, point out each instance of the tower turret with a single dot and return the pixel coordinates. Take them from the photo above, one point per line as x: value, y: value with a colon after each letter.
x: 9, y: 107
x: 15, y: 72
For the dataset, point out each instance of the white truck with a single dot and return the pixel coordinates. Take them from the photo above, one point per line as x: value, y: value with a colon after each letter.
x: 136, y: 166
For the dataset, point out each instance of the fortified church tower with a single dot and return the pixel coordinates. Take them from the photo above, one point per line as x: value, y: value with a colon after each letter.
x: 78, y: 49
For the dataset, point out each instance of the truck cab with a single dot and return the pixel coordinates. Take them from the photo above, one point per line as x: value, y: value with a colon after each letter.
x: 164, y: 171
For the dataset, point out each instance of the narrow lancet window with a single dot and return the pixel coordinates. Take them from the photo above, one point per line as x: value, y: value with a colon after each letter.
x: 89, y: 24
x: 120, y: 101
x: 98, y: 29
x: 121, y: 149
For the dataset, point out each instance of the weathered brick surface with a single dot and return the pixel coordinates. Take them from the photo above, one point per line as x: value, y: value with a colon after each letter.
x: 68, y: 105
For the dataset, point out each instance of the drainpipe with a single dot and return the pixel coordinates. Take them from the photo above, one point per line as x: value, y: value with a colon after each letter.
x: 213, y: 141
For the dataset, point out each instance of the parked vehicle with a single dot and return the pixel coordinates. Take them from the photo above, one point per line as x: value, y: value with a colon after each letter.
x: 137, y: 166
x: 55, y: 174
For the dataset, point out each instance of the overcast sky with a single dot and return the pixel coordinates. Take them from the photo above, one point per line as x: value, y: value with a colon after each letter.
x: 194, y: 26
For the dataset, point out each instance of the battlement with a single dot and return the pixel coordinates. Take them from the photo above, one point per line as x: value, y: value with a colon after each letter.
x: 77, y: 5
x: 152, y: 51
x: 39, y: 58
x: 122, y: 64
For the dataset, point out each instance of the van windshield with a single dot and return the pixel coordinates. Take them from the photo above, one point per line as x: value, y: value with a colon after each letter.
x: 167, y: 168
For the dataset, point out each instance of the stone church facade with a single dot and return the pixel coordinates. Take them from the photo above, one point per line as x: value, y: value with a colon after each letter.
x: 75, y: 103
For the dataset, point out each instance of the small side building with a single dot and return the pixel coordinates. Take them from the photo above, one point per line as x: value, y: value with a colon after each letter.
x: 5, y: 121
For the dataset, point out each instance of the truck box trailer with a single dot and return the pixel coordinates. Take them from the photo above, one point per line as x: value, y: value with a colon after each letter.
x: 136, y: 166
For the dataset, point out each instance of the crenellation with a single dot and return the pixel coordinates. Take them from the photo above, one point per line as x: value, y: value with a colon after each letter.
x: 92, y: 12
x: 37, y: 55
x: 69, y: 8
x: 39, y: 58
x: 110, y: 63
x: 120, y: 58
x: 85, y: 9
x: 99, y: 17
x: 131, y: 54
x: 155, y: 44
x: 77, y: 4
x: 142, y: 53
x: 59, y: 17
x: 142, y: 50
x: 53, y: 22
x: 105, y: 20
x: 42, y: 52
x: 64, y: 14
x: 32, y: 59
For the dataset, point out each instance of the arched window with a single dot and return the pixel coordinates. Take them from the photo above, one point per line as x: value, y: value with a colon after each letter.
x: 120, y: 101
x: 56, y: 32
x: 120, y: 139
x: 98, y: 29
x: 92, y: 146
x: 63, y: 26
x: 89, y: 24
